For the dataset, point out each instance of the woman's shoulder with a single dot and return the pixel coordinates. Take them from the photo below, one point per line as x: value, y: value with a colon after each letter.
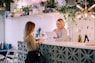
x: 31, y: 37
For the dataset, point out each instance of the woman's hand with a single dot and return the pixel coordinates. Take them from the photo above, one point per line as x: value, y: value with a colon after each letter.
x: 40, y: 40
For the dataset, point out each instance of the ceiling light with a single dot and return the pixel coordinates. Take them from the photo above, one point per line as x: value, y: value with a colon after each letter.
x: 85, y: 11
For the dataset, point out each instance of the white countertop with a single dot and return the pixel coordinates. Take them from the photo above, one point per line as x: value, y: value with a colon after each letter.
x: 90, y: 45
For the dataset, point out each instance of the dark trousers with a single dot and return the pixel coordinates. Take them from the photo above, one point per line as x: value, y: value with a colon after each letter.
x: 32, y: 57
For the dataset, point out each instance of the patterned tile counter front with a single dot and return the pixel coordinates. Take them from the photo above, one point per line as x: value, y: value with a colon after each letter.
x: 56, y: 53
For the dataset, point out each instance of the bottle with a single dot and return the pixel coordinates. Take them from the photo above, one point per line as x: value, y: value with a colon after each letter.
x: 80, y: 38
x: 86, y: 39
x: 39, y: 31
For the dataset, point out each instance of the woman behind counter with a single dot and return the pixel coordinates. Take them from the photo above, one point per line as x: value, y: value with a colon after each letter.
x: 31, y: 44
x: 60, y: 30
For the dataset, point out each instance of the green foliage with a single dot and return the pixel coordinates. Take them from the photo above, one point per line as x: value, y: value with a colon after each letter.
x: 50, y: 4
x: 1, y: 3
x: 71, y: 11
x: 7, y: 3
x: 25, y: 9
x: 63, y: 10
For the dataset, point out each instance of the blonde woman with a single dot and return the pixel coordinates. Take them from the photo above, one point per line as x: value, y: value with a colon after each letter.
x: 30, y: 42
x: 60, y: 30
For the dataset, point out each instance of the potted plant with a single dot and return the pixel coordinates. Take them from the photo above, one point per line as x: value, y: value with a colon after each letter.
x: 50, y: 4
x: 6, y: 4
x: 26, y: 9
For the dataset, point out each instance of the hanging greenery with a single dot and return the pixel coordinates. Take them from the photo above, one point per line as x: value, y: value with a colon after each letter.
x: 26, y: 9
x: 6, y: 3
x: 50, y: 4
x: 71, y: 11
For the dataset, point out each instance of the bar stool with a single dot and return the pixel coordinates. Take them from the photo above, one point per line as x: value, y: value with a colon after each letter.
x: 2, y: 59
x: 11, y: 56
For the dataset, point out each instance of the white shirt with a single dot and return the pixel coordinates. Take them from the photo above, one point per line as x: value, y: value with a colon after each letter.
x: 62, y: 35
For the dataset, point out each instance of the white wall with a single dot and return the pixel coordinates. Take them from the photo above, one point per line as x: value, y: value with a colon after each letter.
x: 14, y: 27
x: 85, y: 26
x: 2, y: 28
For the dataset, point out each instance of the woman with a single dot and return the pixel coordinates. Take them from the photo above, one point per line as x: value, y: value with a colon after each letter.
x: 31, y: 44
x: 61, y: 31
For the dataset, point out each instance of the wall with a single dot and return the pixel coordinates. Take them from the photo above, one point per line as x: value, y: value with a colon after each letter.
x: 2, y: 26
x: 14, y: 27
x: 84, y: 26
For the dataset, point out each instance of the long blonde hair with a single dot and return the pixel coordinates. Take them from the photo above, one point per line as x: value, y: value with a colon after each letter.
x: 29, y: 27
x: 62, y: 22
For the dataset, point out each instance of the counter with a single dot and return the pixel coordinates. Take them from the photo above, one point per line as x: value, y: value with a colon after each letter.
x: 62, y: 52
x: 90, y: 45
